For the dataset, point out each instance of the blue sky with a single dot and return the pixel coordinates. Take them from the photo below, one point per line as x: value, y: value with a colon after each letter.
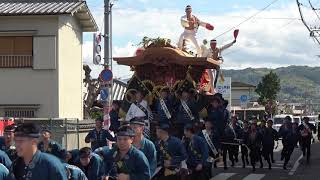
x: 262, y: 42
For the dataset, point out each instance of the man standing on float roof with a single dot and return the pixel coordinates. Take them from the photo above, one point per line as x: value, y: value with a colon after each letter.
x: 191, y: 23
x: 214, y: 53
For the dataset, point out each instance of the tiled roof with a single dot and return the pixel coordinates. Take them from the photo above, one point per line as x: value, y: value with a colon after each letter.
x: 38, y: 7
x: 241, y: 84
x: 50, y: 7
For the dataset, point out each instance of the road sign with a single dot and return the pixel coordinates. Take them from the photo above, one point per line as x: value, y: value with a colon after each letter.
x: 104, y: 94
x: 244, y: 98
x: 106, y: 75
x: 244, y: 101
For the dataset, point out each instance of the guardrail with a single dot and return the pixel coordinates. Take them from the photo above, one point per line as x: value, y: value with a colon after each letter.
x: 68, y: 132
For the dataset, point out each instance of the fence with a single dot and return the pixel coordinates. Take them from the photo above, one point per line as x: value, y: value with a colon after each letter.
x: 119, y: 88
x: 70, y: 133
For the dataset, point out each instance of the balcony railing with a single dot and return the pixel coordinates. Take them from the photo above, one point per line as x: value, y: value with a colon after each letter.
x: 16, y: 61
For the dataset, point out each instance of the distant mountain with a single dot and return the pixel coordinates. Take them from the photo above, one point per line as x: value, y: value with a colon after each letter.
x: 298, y: 83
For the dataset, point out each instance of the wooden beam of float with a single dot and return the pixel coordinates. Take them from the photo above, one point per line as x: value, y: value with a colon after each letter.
x: 166, y: 55
x: 159, y: 64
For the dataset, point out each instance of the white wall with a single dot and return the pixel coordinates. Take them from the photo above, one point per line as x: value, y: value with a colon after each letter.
x: 70, y: 68
x: 236, y: 93
x: 28, y: 86
x: 57, y: 89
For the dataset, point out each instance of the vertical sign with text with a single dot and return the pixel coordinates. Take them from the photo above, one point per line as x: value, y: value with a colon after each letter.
x: 224, y: 88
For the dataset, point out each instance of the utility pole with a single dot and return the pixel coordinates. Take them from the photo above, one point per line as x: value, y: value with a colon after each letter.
x: 107, y: 11
x: 106, y: 74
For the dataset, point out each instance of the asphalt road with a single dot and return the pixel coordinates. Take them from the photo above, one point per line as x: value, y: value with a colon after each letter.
x: 297, y: 168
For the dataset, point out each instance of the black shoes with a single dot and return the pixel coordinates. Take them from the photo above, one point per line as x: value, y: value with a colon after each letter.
x: 285, y: 167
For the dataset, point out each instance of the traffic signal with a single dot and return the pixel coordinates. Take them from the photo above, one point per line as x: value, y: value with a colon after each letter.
x: 97, y: 48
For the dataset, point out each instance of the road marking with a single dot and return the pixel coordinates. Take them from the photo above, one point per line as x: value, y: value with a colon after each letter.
x: 295, y: 166
x: 254, y: 177
x: 223, y: 176
x: 280, y: 162
x: 257, y: 167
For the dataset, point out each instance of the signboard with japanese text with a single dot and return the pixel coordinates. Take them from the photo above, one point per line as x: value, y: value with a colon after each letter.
x: 224, y: 87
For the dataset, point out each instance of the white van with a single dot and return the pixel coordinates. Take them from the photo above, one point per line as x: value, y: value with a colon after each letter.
x: 297, y: 119
x: 312, y: 119
x: 278, y: 120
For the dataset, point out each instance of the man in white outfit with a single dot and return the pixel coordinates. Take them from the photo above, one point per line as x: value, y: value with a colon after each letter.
x: 191, y: 23
x: 215, y: 53
x: 140, y: 110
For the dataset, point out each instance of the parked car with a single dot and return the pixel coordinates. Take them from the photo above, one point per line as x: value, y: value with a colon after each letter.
x: 278, y: 120
x: 297, y: 119
x: 312, y: 119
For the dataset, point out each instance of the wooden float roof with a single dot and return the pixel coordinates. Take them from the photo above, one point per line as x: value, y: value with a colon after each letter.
x: 163, y: 56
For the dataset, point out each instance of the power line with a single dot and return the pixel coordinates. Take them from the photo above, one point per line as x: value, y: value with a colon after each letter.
x: 247, y: 19
x: 271, y: 18
x: 267, y: 18
x: 280, y: 28
x: 305, y: 24
x: 314, y: 9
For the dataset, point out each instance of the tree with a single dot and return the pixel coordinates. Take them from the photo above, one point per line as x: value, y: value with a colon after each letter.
x: 154, y: 42
x: 268, y: 89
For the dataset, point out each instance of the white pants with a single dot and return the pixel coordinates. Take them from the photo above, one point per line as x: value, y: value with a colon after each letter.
x: 190, y: 35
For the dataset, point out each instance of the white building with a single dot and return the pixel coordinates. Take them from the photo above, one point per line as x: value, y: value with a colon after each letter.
x: 238, y: 89
x: 41, y: 57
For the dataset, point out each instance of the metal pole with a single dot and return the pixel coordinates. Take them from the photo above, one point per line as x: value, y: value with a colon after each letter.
x: 107, y: 58
x: 78, y: 138
x: 51, y: 124
x: 110, y: 39
x: 245, y: 114
x: 66, y: 133
x: 106, y: 32
x: 111, y: 55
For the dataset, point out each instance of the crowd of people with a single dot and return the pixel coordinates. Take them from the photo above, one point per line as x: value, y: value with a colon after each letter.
x: 28, y: 152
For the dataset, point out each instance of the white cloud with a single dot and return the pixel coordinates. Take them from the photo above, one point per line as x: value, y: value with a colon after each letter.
x: 261, y: 42
x: 120, y: 71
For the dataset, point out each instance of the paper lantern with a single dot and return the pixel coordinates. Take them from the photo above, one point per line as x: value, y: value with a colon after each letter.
x: 139, y: 51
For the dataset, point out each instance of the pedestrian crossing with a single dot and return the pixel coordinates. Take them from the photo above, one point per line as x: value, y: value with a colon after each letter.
x: 275, y: 165
x: 229, y: 176
x: 254, y: 177
x: 239, y: 173
x: 223, y: 176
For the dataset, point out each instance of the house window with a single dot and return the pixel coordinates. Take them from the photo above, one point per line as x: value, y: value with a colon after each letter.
x: 16, y: 51
x: 20, y: 113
